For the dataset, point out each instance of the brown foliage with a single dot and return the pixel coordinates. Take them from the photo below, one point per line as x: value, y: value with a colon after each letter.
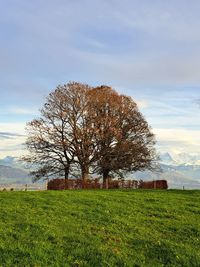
x: 92, y: 129
x: 123, y: 139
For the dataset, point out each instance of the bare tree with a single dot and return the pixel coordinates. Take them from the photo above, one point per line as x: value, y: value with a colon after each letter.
x: 49, y: 139
x: 62, y: 136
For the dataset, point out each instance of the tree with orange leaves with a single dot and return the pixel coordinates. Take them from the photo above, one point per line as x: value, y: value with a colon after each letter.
x: 124, y: 141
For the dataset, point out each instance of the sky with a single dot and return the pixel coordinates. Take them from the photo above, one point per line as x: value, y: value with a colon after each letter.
x: 147, y: 49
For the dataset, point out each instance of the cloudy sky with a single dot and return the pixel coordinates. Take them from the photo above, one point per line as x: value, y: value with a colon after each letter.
x: 149, y: 49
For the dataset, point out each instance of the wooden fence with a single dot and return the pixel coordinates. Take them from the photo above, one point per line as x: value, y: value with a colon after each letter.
x: 59, y: 184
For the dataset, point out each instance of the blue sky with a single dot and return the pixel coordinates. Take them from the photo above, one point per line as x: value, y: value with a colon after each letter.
x: 147, y: 49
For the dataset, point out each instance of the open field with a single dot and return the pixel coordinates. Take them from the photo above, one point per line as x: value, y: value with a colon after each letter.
x: 100, y: 228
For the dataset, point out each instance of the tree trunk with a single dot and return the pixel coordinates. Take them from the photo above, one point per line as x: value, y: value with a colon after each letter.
x: 66, y: 177
x: 85, y: 176
x: 105, y: 179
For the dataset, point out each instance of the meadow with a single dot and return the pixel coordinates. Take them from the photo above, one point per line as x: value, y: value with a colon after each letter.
x: 100, y: 228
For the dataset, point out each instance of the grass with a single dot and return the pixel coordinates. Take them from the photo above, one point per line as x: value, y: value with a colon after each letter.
x: 100, y: 228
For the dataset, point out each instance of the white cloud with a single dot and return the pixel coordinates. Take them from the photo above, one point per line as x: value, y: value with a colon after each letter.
x: 184, y: 135
x: 13, y: 127
x: 142, y: 103
x: 12, y: 146
x: 22, y: 111
x: 178, y: 140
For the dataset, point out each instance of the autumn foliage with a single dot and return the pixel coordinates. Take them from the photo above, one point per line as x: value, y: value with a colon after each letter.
x: 84, y: 130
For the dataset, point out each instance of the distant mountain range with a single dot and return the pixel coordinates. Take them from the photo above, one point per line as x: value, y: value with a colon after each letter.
x: 180, y: 159
x: 176, y: 176
x: 10, y: 175
x: 13, y: 171
x: 178, y: 169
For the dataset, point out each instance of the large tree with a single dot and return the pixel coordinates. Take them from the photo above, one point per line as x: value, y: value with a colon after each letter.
x: 62, y: 137
x: 51, y: 138
x: 94, y: 129
x: 123, y: 139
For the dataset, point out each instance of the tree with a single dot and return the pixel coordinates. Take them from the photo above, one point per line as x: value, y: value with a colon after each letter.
x: 80, y: 126
x: 48, y: 140
x: 123, y: 139
x: 95, y: 129
x: 61, y: 138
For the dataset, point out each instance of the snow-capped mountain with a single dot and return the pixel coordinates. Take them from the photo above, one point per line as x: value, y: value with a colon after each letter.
x: 12, y: 170
x: 8, y: 161
x: 13, y: 162
x: 180, y: 169
x: 12, y: 175
x: 167, y: 159
x: 180, y: 158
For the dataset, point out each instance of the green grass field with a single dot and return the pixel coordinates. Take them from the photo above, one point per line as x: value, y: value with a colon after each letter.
x: 100, y: 228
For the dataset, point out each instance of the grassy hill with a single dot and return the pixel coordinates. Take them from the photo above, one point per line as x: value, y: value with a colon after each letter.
x: 100, y: 228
